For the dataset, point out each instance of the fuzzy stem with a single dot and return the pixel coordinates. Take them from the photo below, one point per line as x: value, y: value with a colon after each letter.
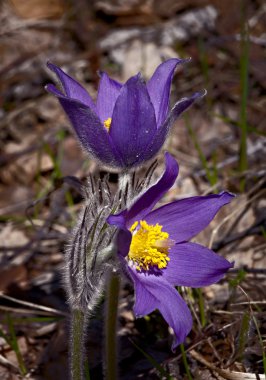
x: 111, y: 372
x: 78, y: 324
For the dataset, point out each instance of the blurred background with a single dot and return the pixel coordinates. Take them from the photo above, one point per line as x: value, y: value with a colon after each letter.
x: 219, y: 144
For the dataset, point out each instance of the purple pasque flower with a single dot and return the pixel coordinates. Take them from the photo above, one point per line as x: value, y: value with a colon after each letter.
x: 154, y: 249
x: 129, y: 123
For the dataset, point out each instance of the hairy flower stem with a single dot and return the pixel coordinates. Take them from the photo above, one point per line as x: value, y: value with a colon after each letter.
x: 78, y: 325
x: 111, y: 372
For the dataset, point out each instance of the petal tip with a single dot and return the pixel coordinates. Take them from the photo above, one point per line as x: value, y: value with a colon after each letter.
x: 203, y: 93
x: 136, y: 78
x: 53, y: 90
x: 171, y: 161
x: 102, y: 73
x: 227, y: 265
x: 176, y: 61
x: 184, y: 60
x: 47, y: 87
x: 199, y: 94
x: 227, y: 196
x: 111, y: 219
x: 51, y: 66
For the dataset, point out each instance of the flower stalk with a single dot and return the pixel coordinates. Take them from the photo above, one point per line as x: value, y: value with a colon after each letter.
x: 111, y: 370
x: 78, y: 327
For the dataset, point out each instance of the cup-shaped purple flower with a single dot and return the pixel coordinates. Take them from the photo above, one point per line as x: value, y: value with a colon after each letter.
x: 129, y: 122
x: 154, y: 249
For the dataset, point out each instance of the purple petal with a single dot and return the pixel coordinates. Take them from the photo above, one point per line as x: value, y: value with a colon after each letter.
x: 123, y: 242
x: 161, y: 135
x: 185, y: 218
x: 54, y: 90
x: 133, y: 121
x: 107, y: 94
x: 153, y: 292
x: 181, y: 106
x: 145, y: 302
x: 118, y: 220
x: 147, y: 201
x: 71, y: 87
x: 159, y: 87
x: 90, y: 131
x: 194, y: 265
x: 124, y: 236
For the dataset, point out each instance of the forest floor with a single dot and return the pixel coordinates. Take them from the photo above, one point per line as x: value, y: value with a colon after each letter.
x: 220, y: 145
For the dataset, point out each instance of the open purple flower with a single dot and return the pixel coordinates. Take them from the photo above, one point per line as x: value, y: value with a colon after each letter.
x: 129, y: 123
x: 154, y: 249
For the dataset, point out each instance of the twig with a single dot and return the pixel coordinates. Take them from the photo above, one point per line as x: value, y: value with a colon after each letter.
x: 7, y: 363
x: 230, y: 216
x: 35, y: 306
x: 230, y: 375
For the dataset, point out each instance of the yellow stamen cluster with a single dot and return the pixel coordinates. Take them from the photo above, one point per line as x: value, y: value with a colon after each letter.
x: 107, y: 123
x: 149, y: 246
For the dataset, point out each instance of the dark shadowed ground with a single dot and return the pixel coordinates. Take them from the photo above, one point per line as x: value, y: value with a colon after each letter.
x: 220, y: 144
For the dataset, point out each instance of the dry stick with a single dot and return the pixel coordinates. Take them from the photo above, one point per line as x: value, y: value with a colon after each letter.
x: 35, y: 306
x: 235, y: 212
x: 26, y: 311
x: 249, y: 303
x: 250, y: 193
x: 229, y: 375
x: 218, y: 184
x: 185, y: 292
x: 7, y: 363
x: 257, y: 328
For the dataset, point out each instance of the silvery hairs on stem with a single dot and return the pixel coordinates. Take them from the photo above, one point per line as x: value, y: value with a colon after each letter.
x: 89, y: 252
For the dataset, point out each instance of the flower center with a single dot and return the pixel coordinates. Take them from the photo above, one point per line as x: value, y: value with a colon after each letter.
x: 149, y: 246
x: 107, y: 123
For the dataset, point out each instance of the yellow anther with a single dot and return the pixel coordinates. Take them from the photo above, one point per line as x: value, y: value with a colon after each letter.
x: 134, y: 225
x: 149, y: 246
x: 107, y: 123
